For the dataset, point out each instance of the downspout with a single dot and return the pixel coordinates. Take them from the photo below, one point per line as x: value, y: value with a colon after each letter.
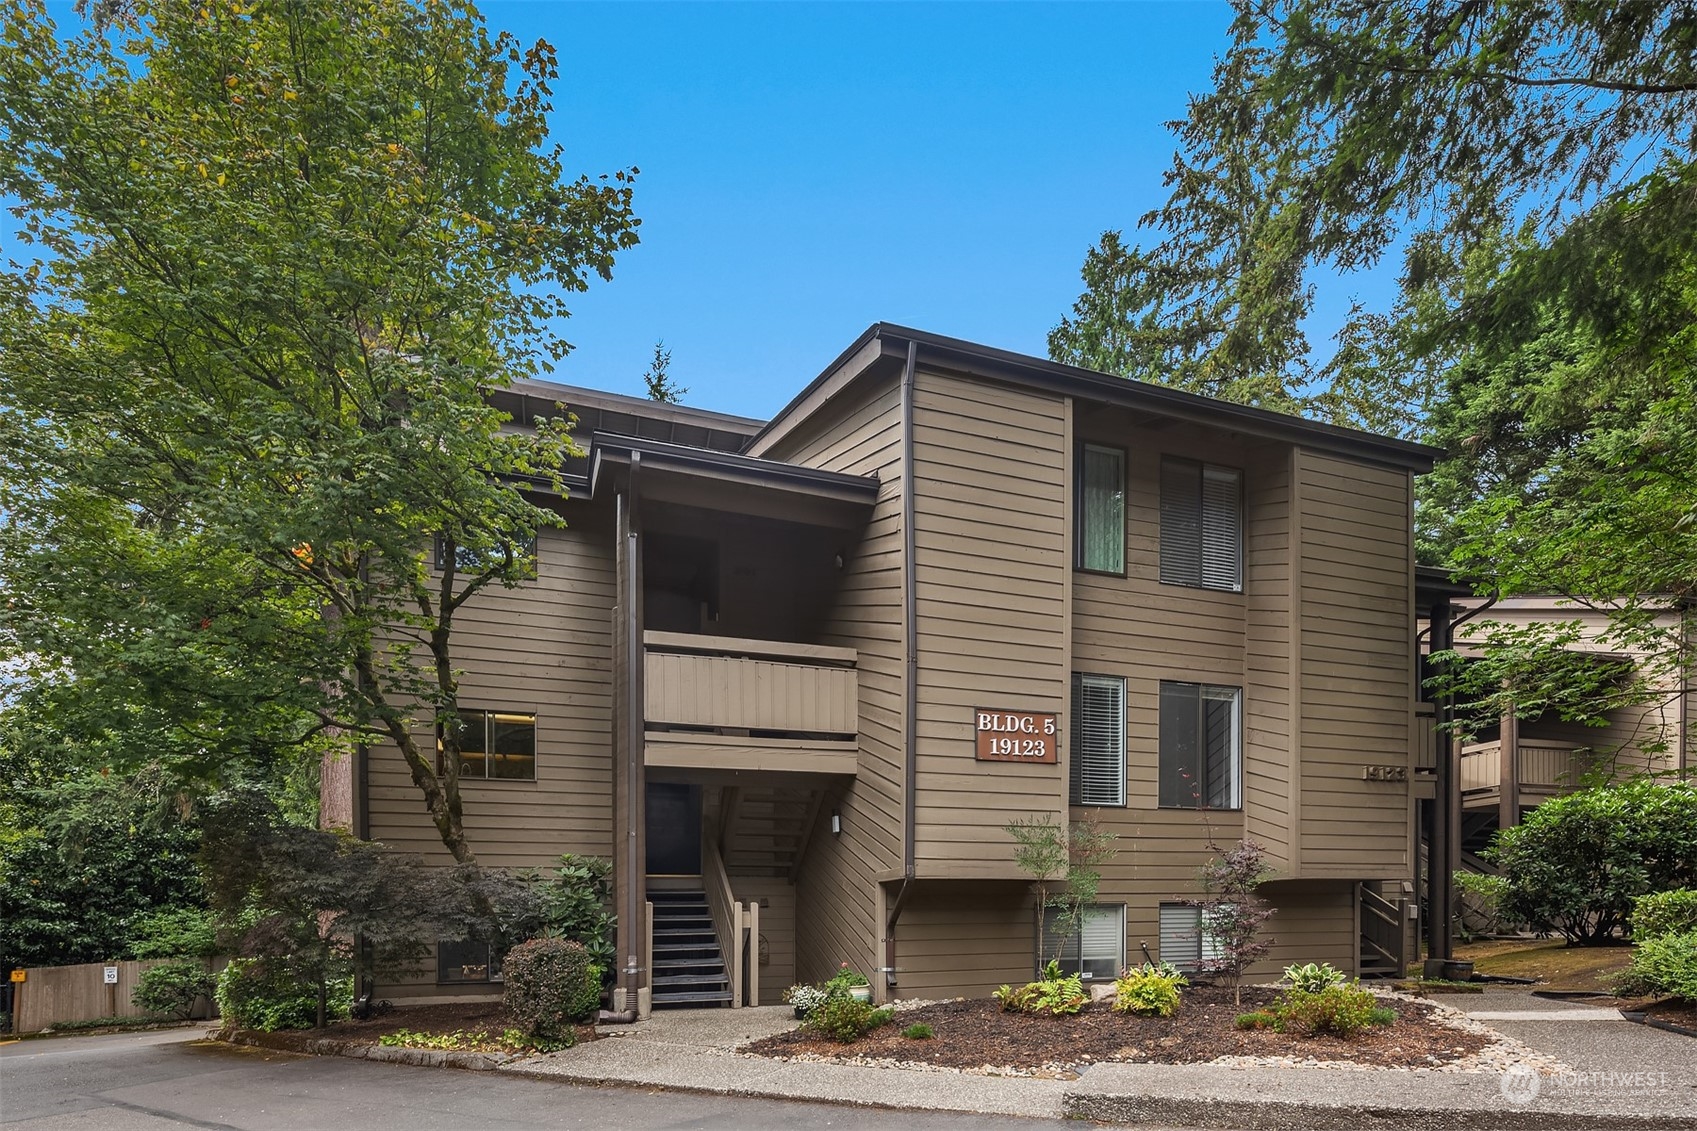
x: 910, y: 673
x: 633, y: 745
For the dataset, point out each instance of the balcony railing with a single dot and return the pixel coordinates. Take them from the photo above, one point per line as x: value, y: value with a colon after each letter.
x: 719, y: 685
x: 1543, y: 765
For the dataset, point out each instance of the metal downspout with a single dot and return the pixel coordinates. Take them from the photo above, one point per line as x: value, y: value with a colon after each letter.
x: 633, y: 737
x: 910, y: 673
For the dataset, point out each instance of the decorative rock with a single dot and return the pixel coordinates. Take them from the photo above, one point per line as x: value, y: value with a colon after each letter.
x: 1102, y: 991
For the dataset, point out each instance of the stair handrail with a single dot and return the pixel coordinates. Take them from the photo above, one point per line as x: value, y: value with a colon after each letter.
x: 726, y: 912
x: 751, y: 918
x: 1381, y: 924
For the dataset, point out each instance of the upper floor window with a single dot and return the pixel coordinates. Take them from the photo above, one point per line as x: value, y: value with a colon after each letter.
x: 496, y: 744
x: 469, y: 560
x: 1096, y: 946
x: 1201, y: 525
x: 1200, y: 762
x: 1098, y: 740
x: 1101, y: 509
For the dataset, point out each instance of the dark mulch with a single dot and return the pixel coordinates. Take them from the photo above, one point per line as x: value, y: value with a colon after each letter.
x: 1681, y: 1013
x: 976, y: 1034
x: 471, y: 1017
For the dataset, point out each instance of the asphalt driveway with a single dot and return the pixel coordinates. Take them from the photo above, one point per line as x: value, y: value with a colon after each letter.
x: 158, y: 1080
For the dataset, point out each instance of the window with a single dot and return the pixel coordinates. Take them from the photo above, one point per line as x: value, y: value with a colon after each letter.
x: 466, y: 960
x: 1182, y: 941
x: 470, y: 560
x: 1201, y: 525
x: 1101, y: 509
x: 1096, y: 951
x: 1199, y: 746
x: 1098, y: 740
x: 496, y: 744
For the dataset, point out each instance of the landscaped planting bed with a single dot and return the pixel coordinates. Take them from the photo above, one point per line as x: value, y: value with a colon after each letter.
x: 977, y: 1035
x: 474, y: 1026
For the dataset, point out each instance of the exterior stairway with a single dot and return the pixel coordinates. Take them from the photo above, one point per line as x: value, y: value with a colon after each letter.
x: 689, y: 969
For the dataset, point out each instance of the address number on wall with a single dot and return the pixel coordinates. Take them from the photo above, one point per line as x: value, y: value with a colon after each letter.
x: 1015, y: 736
x: 1384, y: 773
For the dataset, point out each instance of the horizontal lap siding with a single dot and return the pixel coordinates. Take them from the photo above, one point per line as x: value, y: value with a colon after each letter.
x: 992, y: 479
x: 1268, y: 749
x: 541, y: 647
x: 963, y: 939
x: 1356, y: 662
x: 836, y: 911
x: 777, y: 931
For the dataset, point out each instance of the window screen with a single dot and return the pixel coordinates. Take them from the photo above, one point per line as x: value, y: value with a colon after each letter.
x: 1101, y: 512
x: 1201, y: 525
x: 1199, y: 757
x: 1098, y: 740
x: 1097, y: 950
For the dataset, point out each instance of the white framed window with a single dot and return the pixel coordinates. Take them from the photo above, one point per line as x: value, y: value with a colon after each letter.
x: 497, y: 745
x: 1101, y: 509
x: 1183, y: 941
x: 1201, y: 525
x: 1201, y: 759
x: 1098, y: 739
x: 1096, y: 951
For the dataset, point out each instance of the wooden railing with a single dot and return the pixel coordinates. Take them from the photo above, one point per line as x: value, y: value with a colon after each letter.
x: 736, y: 924
x: 1381, y: 933
x: 1425, y: 741
x: 1542, y: 765
x: 728, y: 684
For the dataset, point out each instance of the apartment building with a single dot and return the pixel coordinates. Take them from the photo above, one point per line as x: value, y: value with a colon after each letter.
x: 796, y: 677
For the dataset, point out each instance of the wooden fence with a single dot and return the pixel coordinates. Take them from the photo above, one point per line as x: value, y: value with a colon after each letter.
x: 55, y: 995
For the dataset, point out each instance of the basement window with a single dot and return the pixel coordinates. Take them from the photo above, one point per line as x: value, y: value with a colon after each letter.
x: 1182, y: 940
x: 1096, y: 951
x: 460, y: 961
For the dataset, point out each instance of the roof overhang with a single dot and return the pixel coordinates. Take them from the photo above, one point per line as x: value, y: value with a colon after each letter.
x: 738, y: 484
x: 883, y: 345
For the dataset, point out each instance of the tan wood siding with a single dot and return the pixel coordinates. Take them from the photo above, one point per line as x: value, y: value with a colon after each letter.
x: 541, y: 647
x: 1356, y: 659
x: 1269, y: 747
x: 963, y: 939
x: 992, y: 475
x: 837, y: 897
x: 748, y: 693
x: 777, y: 931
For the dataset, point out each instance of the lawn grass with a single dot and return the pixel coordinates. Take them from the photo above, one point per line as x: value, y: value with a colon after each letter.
x: 1556, y: 965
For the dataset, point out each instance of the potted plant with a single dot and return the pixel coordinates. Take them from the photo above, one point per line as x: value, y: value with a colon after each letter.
x: 805, y: 999
x: 850, y: 983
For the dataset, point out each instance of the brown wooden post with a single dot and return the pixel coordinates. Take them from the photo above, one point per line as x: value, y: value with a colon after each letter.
x: 1508, y: 791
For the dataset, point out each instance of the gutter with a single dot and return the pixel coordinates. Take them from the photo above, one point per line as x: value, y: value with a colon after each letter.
x: 634, y: 736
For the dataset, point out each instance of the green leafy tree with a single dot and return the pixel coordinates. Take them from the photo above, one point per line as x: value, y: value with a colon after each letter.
x: 658, y: 378
x: 1065, y: 865
x: 283, y: 253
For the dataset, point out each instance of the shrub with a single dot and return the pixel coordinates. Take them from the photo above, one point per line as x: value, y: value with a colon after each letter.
x: 806, y: 998
x: 1259, y: 1019
x: 845, y: 979
x: 254, y: 994
x: 548, y: 985
x: 919, y: 1031
x: 1148, y: 992
x: 1313, y: 977
x: 1232, y: 916
x: 172, y: 988
x: 176, y: 932
x: 1664, y: 913
x: 1381, y: 1015
x: 844, y: 1019
x: 1665, y: 964
x: 1576, y: 863
x: 1053, y: 993
x: 575, y: 898
x: 1341, y: 1011
x: 1481, y: 898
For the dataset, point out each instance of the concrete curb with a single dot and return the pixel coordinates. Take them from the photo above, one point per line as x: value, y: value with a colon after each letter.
x: 1277, y: 1115
x: 365, y: 1050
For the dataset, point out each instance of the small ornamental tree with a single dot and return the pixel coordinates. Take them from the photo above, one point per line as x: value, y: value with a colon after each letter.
x: 1066, y: 866
x: 1232, y: 916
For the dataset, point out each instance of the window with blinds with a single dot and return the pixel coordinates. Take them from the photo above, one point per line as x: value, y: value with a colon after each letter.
x: 1200, y: 756
x: 1201, y: 525
x: 1101, y: 509
x: 1098, y: 740
x: 1096, y: 950
x: 1183, y: 941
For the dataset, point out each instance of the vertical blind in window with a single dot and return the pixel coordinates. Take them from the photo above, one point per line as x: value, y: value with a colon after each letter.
x: 1097, y: 950
x: 1101, y: 522
x: 1201, y: 525
x: 1199, y: 757
x: 1098, y: 740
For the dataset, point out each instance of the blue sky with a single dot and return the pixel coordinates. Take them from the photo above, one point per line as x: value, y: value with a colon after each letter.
x: 807, y: 169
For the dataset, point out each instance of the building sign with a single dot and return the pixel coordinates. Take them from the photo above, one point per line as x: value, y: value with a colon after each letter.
x: 1016, y: 736
x: 1384, y: 773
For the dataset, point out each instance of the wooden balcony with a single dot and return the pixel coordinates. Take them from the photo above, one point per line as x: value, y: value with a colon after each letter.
x: 716, y: 703
x: 1543, y: 767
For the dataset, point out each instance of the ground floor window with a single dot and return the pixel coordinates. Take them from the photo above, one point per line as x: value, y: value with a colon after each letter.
x: 495, y: 744
x: 466, y: 960
x: 1183, y: 941
x: 1096, y: 950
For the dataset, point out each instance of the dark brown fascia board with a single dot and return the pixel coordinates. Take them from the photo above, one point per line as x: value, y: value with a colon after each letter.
x: 1433, y: 583
x: 569, y: 395
x: 610, y: 449
x: 885, y: 339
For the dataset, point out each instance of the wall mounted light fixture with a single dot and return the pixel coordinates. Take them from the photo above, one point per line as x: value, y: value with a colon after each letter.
x: 836, y: 823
